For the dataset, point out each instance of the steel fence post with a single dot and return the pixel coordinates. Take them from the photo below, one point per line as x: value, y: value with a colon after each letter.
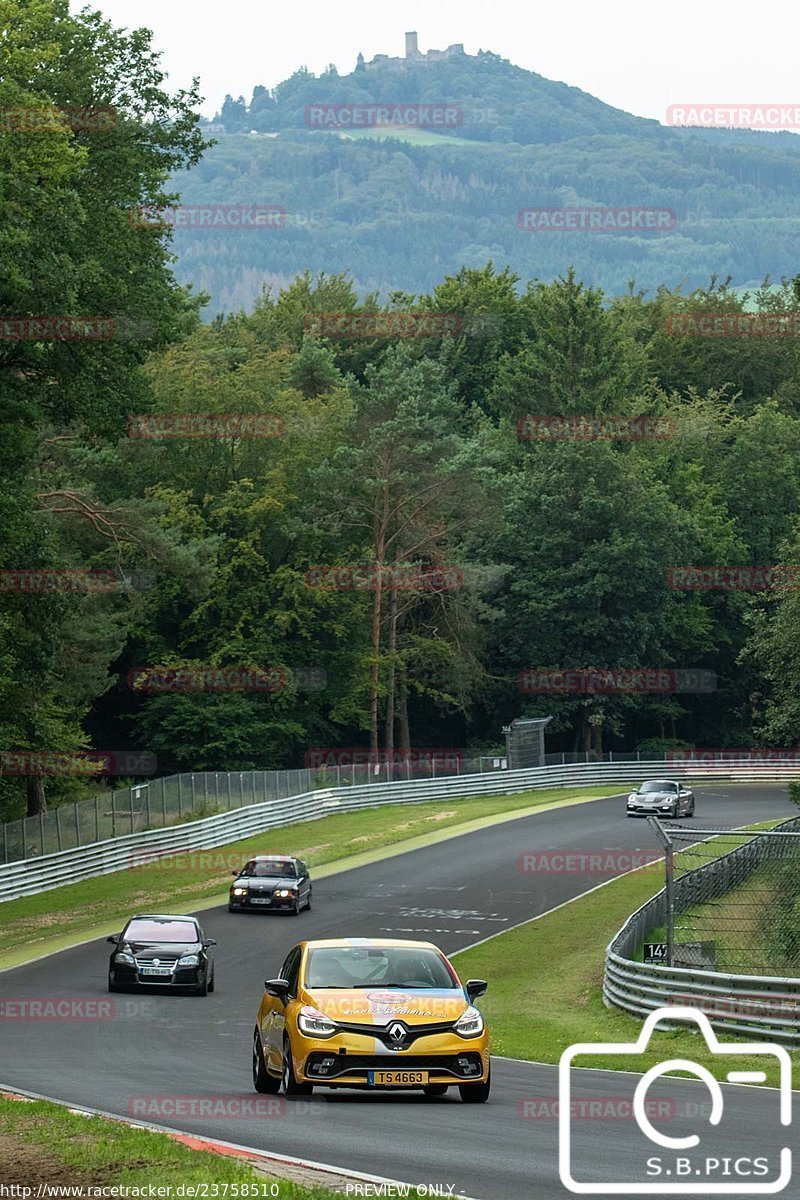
x: 669, y: 884
x: 77, y: 827
x: 58, y: 828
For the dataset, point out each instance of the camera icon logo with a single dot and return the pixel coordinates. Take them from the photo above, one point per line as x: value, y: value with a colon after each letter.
x: 676, y: 1172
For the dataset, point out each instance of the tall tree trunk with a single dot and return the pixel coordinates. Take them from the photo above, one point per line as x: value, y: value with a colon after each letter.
x: 34, y: 789
x: 586, y: 733
x: 597, y: 741
x: 377, y: 602
x: 376, y: 669
x: 402, y: 715
x: 388, y: 739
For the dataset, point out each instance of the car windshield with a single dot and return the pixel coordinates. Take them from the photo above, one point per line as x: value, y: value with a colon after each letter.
x: 659, y: 785
x: 272, y: 868
x: 161, y: 931
x: 378, y: 966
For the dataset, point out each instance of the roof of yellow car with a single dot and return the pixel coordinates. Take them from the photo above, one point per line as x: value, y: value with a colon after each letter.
x: 366, y: 942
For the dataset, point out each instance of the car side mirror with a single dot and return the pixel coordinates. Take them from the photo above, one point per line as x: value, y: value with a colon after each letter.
x: 235, y: 874
x: 277, y: 987
x: 114, y: 938
x: 210, y: 942
x: 476, y: 987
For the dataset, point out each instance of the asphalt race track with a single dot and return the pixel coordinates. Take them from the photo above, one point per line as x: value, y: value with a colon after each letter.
x: 454, y: 893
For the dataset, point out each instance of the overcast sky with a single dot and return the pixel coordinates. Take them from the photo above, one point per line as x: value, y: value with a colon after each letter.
x: 637, y: 56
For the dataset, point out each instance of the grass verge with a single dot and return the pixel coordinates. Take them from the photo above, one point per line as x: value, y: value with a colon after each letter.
x: 36, y: 925
x: 44, y: 1144
x: 545, y: 985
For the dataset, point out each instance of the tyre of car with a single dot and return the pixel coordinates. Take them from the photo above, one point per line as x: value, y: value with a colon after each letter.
x: 262, y: 1080
x: 475, y: 1093
x: 291, y: 1087
x: 202, y: 989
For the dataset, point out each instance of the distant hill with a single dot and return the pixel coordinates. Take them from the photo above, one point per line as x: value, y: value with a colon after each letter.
x: 399, y: 207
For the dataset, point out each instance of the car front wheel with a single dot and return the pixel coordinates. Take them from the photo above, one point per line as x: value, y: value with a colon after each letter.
x: 475, y: 1093
x: 291, y: 1087
x: 262, y: 1080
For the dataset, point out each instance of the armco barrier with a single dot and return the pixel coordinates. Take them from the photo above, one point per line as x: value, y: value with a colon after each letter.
x: 755, y: 1005
x: 30, y: 876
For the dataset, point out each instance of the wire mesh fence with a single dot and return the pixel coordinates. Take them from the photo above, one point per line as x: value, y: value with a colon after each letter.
x: 733, y: 899
x: 173, y: 799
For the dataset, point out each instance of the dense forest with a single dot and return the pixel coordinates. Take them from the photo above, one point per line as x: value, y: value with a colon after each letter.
x: 361, y: 201
x: 365, y: 533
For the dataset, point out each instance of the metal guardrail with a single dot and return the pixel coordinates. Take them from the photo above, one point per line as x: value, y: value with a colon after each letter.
x: 744, y: 1004
x: 31, y: 876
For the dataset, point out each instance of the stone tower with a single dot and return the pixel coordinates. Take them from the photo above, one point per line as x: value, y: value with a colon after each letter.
x: 412, y: 50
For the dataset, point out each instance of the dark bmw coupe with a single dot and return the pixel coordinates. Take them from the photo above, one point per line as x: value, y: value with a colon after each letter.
x: 271, y: 882
x: 161, y: 951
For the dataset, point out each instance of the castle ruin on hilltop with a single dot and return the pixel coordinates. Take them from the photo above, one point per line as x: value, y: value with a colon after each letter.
x: 413, y: 55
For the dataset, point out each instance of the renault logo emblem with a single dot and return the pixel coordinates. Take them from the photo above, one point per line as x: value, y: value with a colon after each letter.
x: 397, y: 1032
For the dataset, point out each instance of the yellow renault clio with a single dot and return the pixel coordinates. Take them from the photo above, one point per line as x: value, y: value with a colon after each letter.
x: 374, y: 1014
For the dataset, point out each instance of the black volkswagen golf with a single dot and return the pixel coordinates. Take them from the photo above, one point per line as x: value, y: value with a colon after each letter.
x: 271, y: 882
x: 161, y: 951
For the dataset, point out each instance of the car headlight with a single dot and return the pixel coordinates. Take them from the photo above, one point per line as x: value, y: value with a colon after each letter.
x: 188, y: 960
x: 122, y: 956
x: 632, y: 798
x: 470, y: 1023
x: 286, y: 892
x: 313, y: 1023
x: 239, y: 891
